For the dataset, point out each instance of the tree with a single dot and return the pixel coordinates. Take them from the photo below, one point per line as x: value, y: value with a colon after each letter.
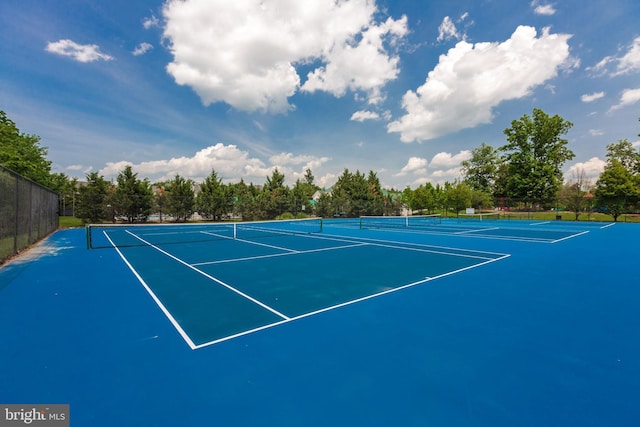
x: 133, y: 197
x: 572, y: 194
x: 66, y: 187
x: 274, y: 199
x: 22, y: 153
x: 92, y: 204
x: 353, y: 194
x: 302, y: 193
x: 180, y: 198
x: 300, y: 200
x: 534, y: 154
x: 324, y: 206
x: 309, y: 183
x: 616, y: 188
x: 245, y: 200
x: 376, y: 203
x: 624, y: 152
x: 212, y: 201
x: 480, y: 199
x: 392, y: 203
x: 458, y: 196
x: 481, y: 170
x: 422, y: 198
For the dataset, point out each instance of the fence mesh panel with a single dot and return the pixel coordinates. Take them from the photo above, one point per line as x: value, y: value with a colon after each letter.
x: 28, y: 212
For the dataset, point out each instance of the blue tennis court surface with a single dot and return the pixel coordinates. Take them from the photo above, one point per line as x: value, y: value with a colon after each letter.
x: 499, y: 323
x: 237, y: 286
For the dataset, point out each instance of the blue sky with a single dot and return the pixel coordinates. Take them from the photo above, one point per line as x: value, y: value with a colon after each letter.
x: 405, y: 88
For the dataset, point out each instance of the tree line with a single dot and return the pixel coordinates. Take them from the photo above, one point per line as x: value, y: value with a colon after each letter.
x: 132, y: 199
x: 527, y: 171
x: 524, y: 173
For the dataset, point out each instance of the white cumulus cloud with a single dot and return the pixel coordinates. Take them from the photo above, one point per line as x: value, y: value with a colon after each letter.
x: 590, y: 97
x: 592, y: 169
x: 626, y: 62
x: 142, y: 48
x: 305, y: 162
x: 628, y: 97
x: 471, y: 79
x: 442, y: 167
x: 245, y: 53
x: 150, y: 22
x: 447, y: 30
x: 361, y: 116
x: 78, y: 52
x: 416, y: 165
x: 229, y: 162
x: 630, y: 61
x: 542, y: 9
x: 448, y: 160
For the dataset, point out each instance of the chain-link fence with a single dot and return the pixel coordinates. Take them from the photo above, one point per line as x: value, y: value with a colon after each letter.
x: 28, y: 212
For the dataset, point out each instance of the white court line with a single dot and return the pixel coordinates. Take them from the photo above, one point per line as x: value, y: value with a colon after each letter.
x: 166, y: 312
x: 268, y: 246
x: 403, y: 246
x: 430, y: 251
x: 278, y: 255
x: 607, y: 226
x: 570, y: 237
x: 540, y: 223
x: 440, y: 250
x: 222, y: 236
x: 208, y: 276
x: 475, y: 236
x: 476, y: 231
x: 406, y: 246
x: 334, y: 307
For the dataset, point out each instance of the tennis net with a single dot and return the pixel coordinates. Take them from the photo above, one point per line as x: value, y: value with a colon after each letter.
x: 126, y: 235
x: 415, y: 221
x: 489, y: 216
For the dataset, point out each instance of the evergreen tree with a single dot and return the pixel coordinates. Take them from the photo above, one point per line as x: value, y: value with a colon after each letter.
x: 274, y: 199
x: 212, y: 201
x: 324, y: 207
x: 133, y: 197
x: 92, y: 203
x: 376, y: 197
x: 180, y: 198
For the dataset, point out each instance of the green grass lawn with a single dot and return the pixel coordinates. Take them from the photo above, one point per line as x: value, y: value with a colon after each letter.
x: 564, y: 216
x: 69, y: 221
x: 570, y: 216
